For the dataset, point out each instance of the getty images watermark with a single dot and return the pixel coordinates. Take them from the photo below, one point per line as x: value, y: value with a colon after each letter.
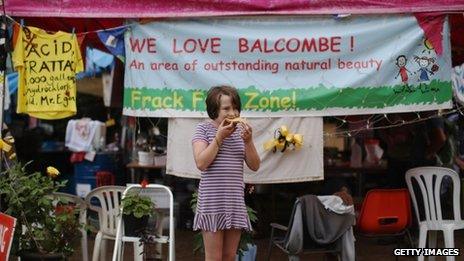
x: 426, y: 252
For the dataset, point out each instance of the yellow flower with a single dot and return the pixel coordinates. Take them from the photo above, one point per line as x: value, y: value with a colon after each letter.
x: 280, y: 145
x: 289, y: 138
x: 298, y: 140
x: 283, y: 130
x: 52, y: 172
x: 269, y: 145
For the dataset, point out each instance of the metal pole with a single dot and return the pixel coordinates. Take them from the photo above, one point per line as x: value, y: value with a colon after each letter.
x: 3, y: 73
x: 2, y: 91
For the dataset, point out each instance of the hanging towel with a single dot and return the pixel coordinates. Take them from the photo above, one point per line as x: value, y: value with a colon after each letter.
x: 84, y: 135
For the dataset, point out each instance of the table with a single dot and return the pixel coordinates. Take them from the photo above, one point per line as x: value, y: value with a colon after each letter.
x: 357, y: 173
x: 134, y: 166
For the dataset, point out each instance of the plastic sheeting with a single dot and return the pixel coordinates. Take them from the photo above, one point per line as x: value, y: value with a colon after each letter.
x: 191, y: 8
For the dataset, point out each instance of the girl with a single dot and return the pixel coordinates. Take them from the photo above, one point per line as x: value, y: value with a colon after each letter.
x: 219, y: 149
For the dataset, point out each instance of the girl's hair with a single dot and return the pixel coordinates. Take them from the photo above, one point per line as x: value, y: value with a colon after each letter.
x: 213, y: 99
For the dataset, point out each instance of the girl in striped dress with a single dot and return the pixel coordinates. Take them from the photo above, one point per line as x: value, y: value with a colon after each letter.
x: 219, y: 148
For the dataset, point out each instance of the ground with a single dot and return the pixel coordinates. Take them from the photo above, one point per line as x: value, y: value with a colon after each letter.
x: 366, y: 249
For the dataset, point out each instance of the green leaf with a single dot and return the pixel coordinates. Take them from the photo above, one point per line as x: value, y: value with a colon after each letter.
x: 137, y: 205
x: 28, y: 196
x: 198, y: 242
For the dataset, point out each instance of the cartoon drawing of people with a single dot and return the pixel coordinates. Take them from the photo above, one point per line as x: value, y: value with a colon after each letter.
x: 401, y: 62
x: 424, y: 62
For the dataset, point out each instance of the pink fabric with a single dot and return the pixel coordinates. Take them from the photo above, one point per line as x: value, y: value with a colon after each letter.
x: 191, y: 8
x: 33, y: 122
x: 432, y: 24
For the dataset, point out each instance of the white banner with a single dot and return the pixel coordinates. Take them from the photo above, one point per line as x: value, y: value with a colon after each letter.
x: 286, y: 66
x: 301, y: 165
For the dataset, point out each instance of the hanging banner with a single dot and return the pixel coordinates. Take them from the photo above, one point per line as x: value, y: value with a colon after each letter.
x: 287, y: 66
x: 304, y: 164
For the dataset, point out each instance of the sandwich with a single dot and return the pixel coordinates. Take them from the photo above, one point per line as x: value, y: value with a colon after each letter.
x: 236, y: 120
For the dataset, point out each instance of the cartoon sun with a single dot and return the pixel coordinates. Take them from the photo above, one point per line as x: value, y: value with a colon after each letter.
x: 428, y: 46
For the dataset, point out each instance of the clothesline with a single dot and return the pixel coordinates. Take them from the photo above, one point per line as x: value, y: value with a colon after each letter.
x: 82, y: 33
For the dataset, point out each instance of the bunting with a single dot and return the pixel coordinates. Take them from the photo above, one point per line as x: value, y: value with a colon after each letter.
x: 114, y: 41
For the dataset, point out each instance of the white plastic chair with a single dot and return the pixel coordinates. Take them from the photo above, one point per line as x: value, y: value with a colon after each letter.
x: 82, y: 206
x: 164, y: 200
x: 429, y: 180
x: 108, y: 212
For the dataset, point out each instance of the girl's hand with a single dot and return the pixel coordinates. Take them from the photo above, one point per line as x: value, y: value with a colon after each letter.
x: 246, y: 133
x: 224, y: 130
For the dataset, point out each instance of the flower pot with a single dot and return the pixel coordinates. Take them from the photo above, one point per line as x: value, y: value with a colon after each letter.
x: 42, y: 257
x: 146, y: 158
x: 160, y: 160
x: 133, y: 226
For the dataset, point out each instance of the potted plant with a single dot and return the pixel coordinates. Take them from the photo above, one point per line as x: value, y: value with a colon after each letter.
x: 136, y: 209
x: 44, y: 231
x: 146, y: 154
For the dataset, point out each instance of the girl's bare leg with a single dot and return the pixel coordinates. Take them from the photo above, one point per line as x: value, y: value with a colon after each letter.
x: 230, y: 244
x: 213, y: 242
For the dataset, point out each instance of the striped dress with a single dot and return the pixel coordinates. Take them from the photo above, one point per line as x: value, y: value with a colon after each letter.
x: 221, y: 199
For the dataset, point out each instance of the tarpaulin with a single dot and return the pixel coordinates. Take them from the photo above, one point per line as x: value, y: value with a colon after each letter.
x: 190, y: 8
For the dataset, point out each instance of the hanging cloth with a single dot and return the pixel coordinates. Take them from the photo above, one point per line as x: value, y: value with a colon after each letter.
x: 47, y: 65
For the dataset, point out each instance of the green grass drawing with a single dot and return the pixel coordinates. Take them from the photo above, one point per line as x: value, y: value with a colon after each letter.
x: 310, y: 98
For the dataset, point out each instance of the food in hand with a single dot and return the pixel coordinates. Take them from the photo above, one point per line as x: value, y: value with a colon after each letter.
x: 236, y: 120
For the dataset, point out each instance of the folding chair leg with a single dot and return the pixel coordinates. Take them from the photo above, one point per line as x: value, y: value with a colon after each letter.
x: 158, y: 246
x: 268, y: 256
x: 117, y: 250
x: 121, y: 253
x: 293, y: 258
x: 138, y: 251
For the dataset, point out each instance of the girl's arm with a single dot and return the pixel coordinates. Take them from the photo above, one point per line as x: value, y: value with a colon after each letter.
x: 251, y: 155
x: 205, y: 154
